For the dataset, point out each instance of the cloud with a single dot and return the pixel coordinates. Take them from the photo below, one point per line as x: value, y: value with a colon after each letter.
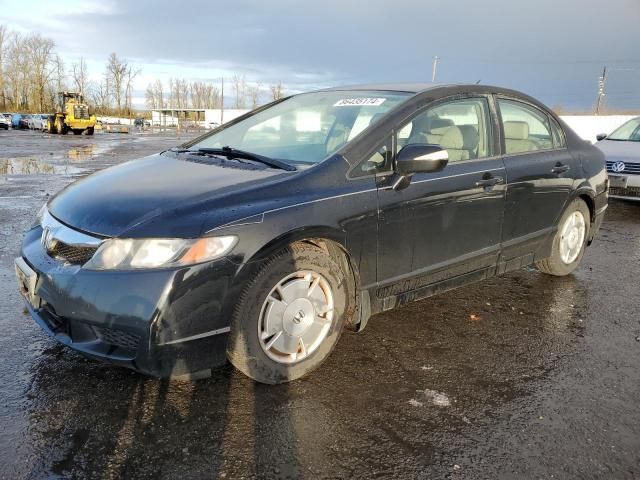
x: 548, y: 48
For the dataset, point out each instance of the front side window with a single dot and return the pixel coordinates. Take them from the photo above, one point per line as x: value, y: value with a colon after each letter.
x: 306, y: 128
x: 459, y: 126
x: 525, y: 128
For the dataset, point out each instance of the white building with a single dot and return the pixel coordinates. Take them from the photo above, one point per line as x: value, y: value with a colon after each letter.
x: 202, y: 117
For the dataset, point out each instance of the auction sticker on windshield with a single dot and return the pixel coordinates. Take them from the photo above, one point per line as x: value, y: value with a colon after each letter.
x: 359, y: 102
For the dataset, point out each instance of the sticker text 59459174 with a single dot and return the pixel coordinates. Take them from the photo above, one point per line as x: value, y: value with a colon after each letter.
x: 359, y: 102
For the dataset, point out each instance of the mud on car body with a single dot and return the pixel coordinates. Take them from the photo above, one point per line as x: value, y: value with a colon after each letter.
x: 262, y: 240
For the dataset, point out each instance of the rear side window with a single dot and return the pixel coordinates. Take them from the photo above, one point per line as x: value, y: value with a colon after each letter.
x: 526, y: 128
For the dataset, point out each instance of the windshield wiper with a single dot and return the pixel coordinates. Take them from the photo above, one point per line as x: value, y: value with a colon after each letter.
x: 230, y: 152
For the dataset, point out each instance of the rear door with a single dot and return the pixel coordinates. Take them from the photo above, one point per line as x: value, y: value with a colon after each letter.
x: 540, y: 173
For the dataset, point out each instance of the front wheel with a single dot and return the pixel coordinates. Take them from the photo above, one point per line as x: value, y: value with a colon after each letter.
x: 569, y: 241
x: 61, y: 128
x: 90, y: 131
x: 291, y: 315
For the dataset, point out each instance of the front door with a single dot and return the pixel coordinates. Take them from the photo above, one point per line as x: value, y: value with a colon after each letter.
x: 448, y: 223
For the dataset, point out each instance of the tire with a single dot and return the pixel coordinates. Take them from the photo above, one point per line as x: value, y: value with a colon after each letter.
x: 90, y: 131
x: 555, y: 264
x: 61, y: 128
x: 290, y: 269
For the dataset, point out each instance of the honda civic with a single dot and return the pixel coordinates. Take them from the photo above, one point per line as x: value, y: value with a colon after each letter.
x: 262, y: 240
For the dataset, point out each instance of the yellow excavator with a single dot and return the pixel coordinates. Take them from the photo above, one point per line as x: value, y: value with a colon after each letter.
x: 72, y: 114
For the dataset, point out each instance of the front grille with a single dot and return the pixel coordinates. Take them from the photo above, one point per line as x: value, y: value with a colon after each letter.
x: 629, y: 168
x: 81, y: 112
x: 625, y: 192
x: 117, y: 337
x: 71, y: 253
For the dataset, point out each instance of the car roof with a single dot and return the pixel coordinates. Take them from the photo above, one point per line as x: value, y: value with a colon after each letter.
x: 419, y: 87
x: 410, y: 87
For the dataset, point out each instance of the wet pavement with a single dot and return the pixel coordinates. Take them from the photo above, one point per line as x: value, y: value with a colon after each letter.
x: 522, y: 376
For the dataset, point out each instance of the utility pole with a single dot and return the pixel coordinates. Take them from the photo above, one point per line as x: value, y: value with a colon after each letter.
x: 602, y: 82
x: 434, y: 68
x: 222, y: 102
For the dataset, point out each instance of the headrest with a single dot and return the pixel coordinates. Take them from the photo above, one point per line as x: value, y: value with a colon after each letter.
x: 441, y: 123
x: 420, y: 124
x: 464, y: 137
x: 516, y: 130
x: 439, y: 130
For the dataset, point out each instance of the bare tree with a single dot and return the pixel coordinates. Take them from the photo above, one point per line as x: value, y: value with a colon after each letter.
x: 40, y: 54
x: 59, y: 83
x: 80, y: 75
x: 4, y: 37
x: 150, y: 97
x: 254, y: 95
x: 277, y: 92
x: 16, y: 73
x: 239, y: 85
x: 131, y: 75
x: 158, y: 90
x: 116, y: 72
x: 99, y: 95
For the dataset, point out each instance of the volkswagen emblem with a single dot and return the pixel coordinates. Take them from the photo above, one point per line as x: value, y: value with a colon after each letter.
x: 618, y: 167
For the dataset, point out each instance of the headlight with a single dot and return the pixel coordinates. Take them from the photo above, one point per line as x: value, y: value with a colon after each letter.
x: 128, y: 254
x: 38, y: 221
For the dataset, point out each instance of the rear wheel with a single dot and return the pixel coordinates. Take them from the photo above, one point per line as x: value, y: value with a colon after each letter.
x: 90, y: 131
x: 569, y: 242
x: 291, y: 315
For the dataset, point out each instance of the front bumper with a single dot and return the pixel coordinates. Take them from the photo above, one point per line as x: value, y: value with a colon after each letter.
x: 624, y: 186
x: 163, y: 323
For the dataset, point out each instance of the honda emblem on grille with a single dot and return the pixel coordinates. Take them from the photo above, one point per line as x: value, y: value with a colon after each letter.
x: 618, y: 167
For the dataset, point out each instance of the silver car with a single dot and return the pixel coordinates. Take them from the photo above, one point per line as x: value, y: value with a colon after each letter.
x: 39, y: 122
x: 622, y: 150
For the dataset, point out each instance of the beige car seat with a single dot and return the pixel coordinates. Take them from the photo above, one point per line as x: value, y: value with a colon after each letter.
x: 461, y: 143
x: 516, y: 137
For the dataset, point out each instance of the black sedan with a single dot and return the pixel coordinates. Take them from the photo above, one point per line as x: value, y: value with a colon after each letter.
x: 622, y: 151
x: 262, y: 240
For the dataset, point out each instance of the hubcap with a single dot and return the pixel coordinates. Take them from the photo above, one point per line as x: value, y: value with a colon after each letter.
x: 572, y: 237
x: 296, y: 317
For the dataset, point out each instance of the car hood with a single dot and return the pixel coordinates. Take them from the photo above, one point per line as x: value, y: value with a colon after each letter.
x: 620, y: 151
x: 118, y: 201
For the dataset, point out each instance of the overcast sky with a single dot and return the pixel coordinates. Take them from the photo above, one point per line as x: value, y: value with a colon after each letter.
x: 552, y: 49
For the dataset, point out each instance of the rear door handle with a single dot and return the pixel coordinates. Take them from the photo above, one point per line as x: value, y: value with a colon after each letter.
x: 489, y: 182
x: 560, y: 168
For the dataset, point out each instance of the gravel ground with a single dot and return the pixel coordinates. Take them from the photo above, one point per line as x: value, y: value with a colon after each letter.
x: 522, y: 376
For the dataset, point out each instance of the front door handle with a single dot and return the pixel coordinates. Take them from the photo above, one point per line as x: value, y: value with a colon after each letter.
x: 489, y: 182
x: 560, y: 168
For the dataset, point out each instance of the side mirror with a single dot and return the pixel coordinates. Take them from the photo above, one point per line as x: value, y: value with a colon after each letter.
x: 601, y: 136
x: 421, y: 158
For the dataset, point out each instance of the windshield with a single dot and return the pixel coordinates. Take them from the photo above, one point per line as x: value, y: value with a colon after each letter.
x: 305, y: 128
x: 629, y: 131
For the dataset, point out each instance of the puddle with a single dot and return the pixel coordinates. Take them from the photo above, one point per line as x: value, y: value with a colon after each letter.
x: 82, y: 153
x: 32, y: 166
